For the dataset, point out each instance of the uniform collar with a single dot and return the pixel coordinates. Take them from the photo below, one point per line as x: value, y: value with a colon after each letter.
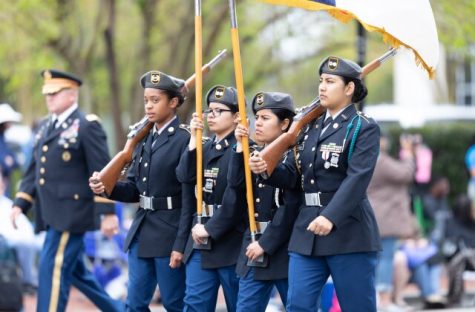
x: 159, y: 131
x: 64, y: 115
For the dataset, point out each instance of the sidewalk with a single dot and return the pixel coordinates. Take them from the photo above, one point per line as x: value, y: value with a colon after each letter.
x: 79, y: 303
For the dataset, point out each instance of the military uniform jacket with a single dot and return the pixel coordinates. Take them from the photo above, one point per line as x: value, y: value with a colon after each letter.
x: 227, y: 225
x: 325, y: 168
x: 58, y: 174
x: 269, y: 207
x: 153, y: 174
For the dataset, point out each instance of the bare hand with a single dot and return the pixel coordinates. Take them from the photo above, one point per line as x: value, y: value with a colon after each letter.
x: 254, y: 251
x: 196, y: 123
x: 239, y: 133
x: 199, y: 234
x: 110, y: 225
x: 320, y: 226
x: 15, y: 212
x: 257, y: 164
x: 96, y: 184
x: 175, y: 259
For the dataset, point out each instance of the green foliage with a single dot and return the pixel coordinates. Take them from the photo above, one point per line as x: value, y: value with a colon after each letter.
x: 448, y: 143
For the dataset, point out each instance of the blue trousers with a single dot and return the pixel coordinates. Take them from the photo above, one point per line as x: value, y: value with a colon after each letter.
x: 202, y: 286
x: 255, y: 295
x: 145, y: 273
x: 384, y: 269
x: 353, y: 277
x: 62, y: 265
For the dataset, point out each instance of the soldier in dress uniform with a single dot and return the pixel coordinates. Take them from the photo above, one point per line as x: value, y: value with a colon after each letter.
x: 69, y: 147
x: 273, y: 112
x: 206, y: 270
x: 157, y: 237
x: 335, y: 232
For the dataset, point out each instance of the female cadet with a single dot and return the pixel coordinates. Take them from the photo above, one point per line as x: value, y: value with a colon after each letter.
x: 273, y: 113
x: 335, y: 232
x: 206, y: 269
x: 157, y: 237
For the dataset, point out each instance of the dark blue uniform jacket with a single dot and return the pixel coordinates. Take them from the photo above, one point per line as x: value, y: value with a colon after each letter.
x: 153, y: 174
x: 342, y: 182
x: 58, y: 174
x: 227, y: 225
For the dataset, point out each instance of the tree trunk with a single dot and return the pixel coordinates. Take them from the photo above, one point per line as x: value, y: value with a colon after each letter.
x: 113, y: 76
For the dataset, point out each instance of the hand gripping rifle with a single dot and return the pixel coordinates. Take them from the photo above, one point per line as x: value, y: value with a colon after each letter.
x: 116, y: 168
x: 272, y: 153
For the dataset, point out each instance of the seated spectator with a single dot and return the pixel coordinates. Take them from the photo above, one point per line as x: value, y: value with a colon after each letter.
x: 8, y: 161
x: 412, y: 265
x: 22, y: 239
x: 461, y: 233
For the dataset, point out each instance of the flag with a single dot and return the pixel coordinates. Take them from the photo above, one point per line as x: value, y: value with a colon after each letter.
x: 407, y: 23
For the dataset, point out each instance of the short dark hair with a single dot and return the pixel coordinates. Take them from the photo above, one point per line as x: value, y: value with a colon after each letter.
x: 360, y: 89
x: 283, y: 114
x: 173, y: 94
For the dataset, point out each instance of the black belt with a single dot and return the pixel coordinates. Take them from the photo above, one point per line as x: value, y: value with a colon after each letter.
x: 318, y: 199
x: 160, y: 203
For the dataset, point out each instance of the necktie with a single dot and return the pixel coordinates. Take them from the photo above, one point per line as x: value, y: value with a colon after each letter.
x: 52, y: 126
x: 327, y: 121
x: 154, y: 138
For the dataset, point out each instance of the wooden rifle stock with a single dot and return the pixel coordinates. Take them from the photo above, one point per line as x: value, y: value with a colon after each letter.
x: 112, y: 172
x: 272, y: 154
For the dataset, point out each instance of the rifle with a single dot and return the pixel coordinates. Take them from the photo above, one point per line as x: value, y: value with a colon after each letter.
x: 272, y: 154
x: 117, y: 167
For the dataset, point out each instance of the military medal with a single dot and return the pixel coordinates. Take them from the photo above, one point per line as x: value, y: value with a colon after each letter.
x: 332, y: 149
x: 66, y: 156
x: 334, y: 160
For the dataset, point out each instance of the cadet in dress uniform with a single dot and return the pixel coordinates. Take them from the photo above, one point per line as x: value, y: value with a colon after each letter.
x: 207, y: 269
x: 157, y: 237
x: 335, y: 232
x: 273, y: 112
x: 69, y: 147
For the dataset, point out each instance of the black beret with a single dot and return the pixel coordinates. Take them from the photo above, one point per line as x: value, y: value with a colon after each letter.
x: 158, y: 80
x: 271, y: 100
x: 224, y: 95
x: 56, y: 80
x: 341, y: 67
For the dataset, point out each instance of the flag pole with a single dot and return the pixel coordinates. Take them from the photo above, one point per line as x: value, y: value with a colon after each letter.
x: 243, y: 117
x: 199, y: 110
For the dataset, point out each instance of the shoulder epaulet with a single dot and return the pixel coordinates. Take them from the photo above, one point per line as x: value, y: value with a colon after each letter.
x: 92, y: 117
x: 364, y: 116
x: 185, y: 127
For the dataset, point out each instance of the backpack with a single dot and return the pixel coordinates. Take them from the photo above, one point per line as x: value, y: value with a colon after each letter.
x: 11, y: 297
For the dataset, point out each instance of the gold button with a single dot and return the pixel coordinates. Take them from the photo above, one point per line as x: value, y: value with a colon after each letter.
x: 312, y: 181
x: 66, y: 145
x: 258, y: 200
x: 256, y: 215
x: 144, y: 179
x: 310, y: 165
x: 45, y: 148
x: 42, y: 170
x: 260, y: 185
x: 76, y: 196
x: 313, y: 149
x: 43, y: 159
x: 42, y: 181
x: 145, y: 165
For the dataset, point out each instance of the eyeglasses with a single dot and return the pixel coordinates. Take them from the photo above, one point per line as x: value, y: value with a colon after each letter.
x: 216, y: 112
